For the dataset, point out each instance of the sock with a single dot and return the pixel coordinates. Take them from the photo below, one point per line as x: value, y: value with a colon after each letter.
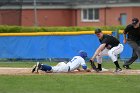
x: 117, y: 64
x: 100, y: 66
x: 46, y: 68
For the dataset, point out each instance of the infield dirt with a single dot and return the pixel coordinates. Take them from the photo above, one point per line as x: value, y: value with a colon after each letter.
x: 27, y: 71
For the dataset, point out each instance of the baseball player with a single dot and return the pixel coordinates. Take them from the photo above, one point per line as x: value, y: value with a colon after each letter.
x: 72, y: 65
x: 133, y: 39
x: 110, y: 46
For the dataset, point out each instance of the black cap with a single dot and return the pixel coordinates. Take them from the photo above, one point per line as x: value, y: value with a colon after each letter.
x: 98, y: 31
x: 135, y: 21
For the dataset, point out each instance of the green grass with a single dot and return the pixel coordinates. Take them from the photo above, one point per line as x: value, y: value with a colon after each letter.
x: 70, y: 84
x: 66, y: 83
x: 22, y: 64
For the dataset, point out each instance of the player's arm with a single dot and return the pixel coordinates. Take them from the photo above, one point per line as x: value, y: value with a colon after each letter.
x: 85, y: 68
x: 125, y: 32
x: 125, y: 39
x: 100, y: 48
x: 79, y: 69
x: 124, y: 36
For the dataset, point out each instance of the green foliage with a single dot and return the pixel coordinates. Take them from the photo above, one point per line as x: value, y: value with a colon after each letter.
x: 21, y: 29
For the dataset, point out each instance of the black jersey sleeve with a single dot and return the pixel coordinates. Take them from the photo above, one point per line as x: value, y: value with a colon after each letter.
x: 127, y: 29
x: 105, y: 41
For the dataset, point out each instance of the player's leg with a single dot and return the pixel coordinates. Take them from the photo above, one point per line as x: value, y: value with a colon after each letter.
x: 113, y: 54
x: 61, y: 64
x: 99, y: 58
x: 134, y: 54
x: 45, y: 67
x: 131, y: 60
x: 42, y: 67
x: 135, y: 46
x: 33, y: 68
x: 60, y: 68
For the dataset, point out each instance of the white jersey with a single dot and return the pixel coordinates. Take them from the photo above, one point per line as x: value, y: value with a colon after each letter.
x: 76, y: 62
x: 72, y: 65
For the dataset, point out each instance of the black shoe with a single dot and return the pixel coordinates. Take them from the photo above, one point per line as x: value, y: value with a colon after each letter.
x: 34, y: 68
x: 126, y: 66
x: 118, y: 70
x: 38, y: 66
x: 99, y: 69
x: 96, y: 69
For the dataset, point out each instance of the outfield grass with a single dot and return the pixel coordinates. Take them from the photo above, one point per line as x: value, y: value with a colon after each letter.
x: 69, y: 84
x: 66, y: 83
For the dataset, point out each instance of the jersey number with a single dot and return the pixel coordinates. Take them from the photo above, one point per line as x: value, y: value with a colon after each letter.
x: 73, y: 60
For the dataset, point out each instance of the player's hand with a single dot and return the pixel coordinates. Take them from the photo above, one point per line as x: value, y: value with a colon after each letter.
x: 93, y: 65
x: 88, y: 70
x: 91, y: 60
x: 124, y: 41
x: 79, y: 69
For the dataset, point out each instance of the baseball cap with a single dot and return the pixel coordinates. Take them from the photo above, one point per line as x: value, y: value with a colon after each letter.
x: 135, y: 21
x: 98, y: 31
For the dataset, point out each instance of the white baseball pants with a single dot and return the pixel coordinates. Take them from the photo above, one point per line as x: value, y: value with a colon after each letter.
x: 112, y: 53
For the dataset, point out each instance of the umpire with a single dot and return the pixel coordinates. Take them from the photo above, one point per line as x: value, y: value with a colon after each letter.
x: 133, y: 38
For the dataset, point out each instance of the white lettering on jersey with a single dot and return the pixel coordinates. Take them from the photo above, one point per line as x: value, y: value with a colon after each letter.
x: 76, y: 62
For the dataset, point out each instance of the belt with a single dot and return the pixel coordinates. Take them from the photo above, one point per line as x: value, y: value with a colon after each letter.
x: 109, y: 48
x: 117, y: 45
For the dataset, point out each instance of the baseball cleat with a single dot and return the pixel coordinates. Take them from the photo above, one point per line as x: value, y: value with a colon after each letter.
x: 102, y: 70
x: 99, y: 69
x: 38, y: 66
x: 126, y: 66
x: 118, y: 70
x: 34, y: 68
x: 95, y: 70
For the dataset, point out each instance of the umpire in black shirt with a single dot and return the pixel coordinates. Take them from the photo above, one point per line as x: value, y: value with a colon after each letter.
x: 133, y: 38
x: 110, y: 46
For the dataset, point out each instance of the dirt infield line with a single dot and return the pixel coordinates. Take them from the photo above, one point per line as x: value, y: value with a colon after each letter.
x: 27, y: 71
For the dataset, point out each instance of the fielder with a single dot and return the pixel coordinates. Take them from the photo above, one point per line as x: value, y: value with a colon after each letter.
x: 110, y: 46
x: 72, y: 65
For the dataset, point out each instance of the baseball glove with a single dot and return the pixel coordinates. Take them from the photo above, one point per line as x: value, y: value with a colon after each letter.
x: 93, y: 66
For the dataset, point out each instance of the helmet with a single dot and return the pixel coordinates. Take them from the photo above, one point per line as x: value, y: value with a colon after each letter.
x: 135, y: 21
x: 83, y: 54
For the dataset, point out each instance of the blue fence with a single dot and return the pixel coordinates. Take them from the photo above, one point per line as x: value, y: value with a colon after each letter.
x: 51, y: 46
x: 127, y: 52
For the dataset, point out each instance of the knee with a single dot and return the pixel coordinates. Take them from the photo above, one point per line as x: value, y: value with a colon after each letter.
x: 98, y: 56
x: 135, y: 57
x: 110, y: 53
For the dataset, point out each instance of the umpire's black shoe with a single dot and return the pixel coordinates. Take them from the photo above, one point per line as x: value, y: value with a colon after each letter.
x: 118, y: 69
x: 126, y: 66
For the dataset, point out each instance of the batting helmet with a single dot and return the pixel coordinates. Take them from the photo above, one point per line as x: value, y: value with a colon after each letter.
x: 83, y: 54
